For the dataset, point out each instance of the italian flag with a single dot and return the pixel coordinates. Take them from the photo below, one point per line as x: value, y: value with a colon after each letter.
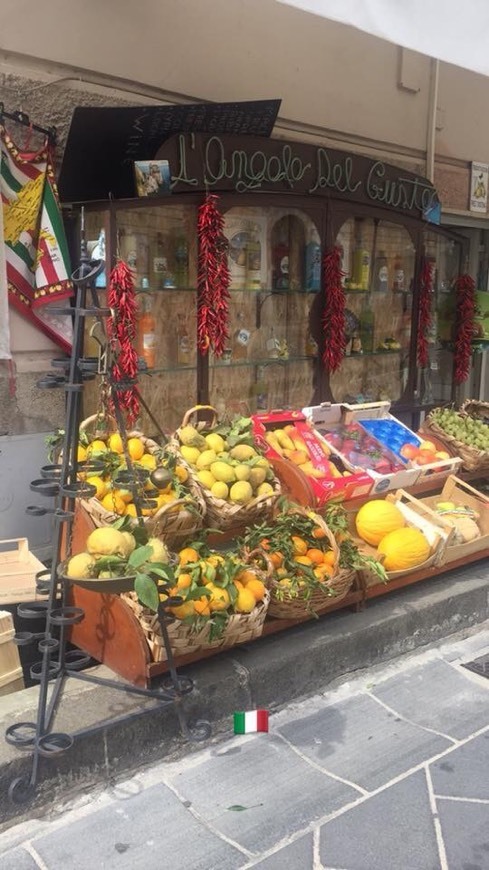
x: 251, y: 722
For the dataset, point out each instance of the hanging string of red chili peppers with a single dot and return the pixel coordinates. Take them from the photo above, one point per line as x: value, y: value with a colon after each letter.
x: 213, y: 279
x: 425, y: 314
x: 464, y: 326
x: 121, y: 329
x: 334, y: 313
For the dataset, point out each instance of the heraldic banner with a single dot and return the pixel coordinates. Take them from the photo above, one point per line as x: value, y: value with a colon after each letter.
x: 36, y: 260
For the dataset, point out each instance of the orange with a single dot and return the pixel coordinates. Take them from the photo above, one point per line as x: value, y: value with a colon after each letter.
x: 183, y: 610
x: 276, y: 559
x: 316, y: 556
x: 81, y: 454
x: 300, y: 546
x: 257, y: 588
x: 181, y: 473
x: 188, y: 554
x: 318, y: 533
x: 124, y: 494
x: 265, y: 544
x: 99, y: 485
x: 245, y: 576
x: 202, y: 606
x: 130, y: 510
x: 323, y: 572
x: 147, y: 460
x: 238, y: 585
x: 329, y: 558
x: 184, y: 581
x: 219, y: 599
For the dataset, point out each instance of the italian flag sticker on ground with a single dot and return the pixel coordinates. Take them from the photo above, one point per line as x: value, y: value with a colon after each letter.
x: 251, y: 722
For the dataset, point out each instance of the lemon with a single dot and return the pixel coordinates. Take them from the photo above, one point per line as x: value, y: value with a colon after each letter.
x: 113, y: 503
x: 245, y: 601
x: 183, y: 610
x: 215, y: 442
x: 80, y: 566
x: 223, y: 471
x: 190, y: 454
x: 124, y: 494
x: 148, y: 461
x: 242, y: 452
x: 206, y: 458
x: 130, y: 542
x: 160, y: 552
x: 241, y: 492
x: 106, y: 541
x: 181, y: 473
x: 219, y: 599
x: 97, y: 446
x: 257, y: 477
x: 115, y: 443
x: 265, y: 489
x: 243, y: 472
x: 130, y: 510
x: 206, y: 478
x: 219, y: 489
x: 81, y: 454
x: 135, y: 448
x: 99, y: 485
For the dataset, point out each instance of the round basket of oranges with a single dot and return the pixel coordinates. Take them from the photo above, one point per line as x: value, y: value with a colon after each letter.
x: 171, y: 503
x: 304, y: 553
x: 223, y: 602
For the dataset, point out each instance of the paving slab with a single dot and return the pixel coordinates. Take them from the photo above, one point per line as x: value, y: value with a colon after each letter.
x: 150, y: 829
x: 297, y: 855
x: 362, y: 742
x: 18, y: 859
x: 437, y: 695
x: 465, y: 771
x: 393, y: 830
x: 465, y: 830
x: 283, y: 793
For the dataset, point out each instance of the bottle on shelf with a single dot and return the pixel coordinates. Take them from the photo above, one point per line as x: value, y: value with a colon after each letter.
x: 313, y: 262
x: 361, y: 265
x: 181, y: 261
x: 146, y: 332
x: 183, y: 341
x: 381, y: 273
x: 367, y: 326
x: 241, y: 339
x: 398, y: 283
x: 160, y: 262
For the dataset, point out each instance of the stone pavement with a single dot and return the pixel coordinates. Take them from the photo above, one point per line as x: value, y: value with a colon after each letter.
x: 388, y: 772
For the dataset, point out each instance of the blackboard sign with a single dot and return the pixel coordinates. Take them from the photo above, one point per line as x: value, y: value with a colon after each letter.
x: 104, y: 142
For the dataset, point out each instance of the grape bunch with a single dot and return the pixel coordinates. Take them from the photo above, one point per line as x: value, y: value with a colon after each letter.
x: 466, y: 429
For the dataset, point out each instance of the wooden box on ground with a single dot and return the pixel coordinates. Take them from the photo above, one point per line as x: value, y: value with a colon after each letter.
x: 462, y: 494
x: 18, y: 570
x: 11, y: 679
x: 418, y: 515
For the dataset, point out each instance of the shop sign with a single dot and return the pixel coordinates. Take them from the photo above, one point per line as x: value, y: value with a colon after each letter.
x: 478, y: 187
x: 248, y: 164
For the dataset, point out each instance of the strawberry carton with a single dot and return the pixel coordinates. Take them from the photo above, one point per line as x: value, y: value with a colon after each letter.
x: 308, y: 468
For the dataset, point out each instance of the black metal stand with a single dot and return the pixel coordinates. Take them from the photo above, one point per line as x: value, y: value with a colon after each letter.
x: 61, y: 482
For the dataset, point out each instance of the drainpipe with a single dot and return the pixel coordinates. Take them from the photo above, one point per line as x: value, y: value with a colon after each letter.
x: 431, y: 131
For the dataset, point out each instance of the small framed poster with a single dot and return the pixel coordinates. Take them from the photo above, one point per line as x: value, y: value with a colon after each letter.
x: 478, y: 187
x: 152, y: 177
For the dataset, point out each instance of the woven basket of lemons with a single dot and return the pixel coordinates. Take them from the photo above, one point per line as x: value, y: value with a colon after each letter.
x: 172, y: 504
x: 218, y: 601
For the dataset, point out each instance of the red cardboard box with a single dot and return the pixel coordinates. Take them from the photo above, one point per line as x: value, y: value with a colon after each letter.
x: 321, y: 478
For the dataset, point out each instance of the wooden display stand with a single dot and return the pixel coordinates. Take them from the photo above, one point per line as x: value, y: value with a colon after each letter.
x: 111, y: 634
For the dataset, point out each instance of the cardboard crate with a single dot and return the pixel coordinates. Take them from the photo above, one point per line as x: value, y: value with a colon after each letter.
x: 461, y: 493
x: 18, y: 570
x: 307, y: 489
x: 406, y: 476
x: 418, y: 515
x: 11, y: 679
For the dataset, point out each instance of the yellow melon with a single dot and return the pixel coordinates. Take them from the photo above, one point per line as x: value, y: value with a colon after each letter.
x: 376, y: 518
x: 403, y: 549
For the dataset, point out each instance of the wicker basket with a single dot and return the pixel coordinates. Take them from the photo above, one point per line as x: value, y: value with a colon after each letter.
x: 185, y: 640
x: 220, y: 514
x: 175, y: 522
x: 475, y: 408
x: 472, y: 458
x: 319, y: 599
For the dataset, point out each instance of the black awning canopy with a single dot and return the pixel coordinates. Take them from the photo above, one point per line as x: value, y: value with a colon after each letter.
x: 103, y: 142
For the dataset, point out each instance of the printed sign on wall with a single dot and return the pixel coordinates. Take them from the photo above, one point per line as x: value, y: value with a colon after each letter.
x: 478, y: 187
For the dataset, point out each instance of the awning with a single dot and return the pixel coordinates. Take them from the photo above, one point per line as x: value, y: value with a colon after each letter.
x: 103, y: 143
x: 450, y: 30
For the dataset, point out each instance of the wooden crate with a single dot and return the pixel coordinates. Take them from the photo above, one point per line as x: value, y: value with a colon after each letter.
x: 18, y: 569
x: 11, y: 679
x: 461, y: 493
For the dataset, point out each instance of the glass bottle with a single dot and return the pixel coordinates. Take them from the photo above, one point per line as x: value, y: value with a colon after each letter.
x: 146, y: 332
x: 241, y: 339
x: 183, y: 341
x: 160, y: 262
x: 381, y: 273
x: 181, y: 261
x: 313, y: 262
x: 398, y: 284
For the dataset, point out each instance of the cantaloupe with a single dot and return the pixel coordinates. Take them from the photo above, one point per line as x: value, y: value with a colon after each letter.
x: 403, y: 549
x: 376, y: 518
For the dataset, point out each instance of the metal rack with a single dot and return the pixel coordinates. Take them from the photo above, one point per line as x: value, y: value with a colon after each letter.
x: 61, y: 482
